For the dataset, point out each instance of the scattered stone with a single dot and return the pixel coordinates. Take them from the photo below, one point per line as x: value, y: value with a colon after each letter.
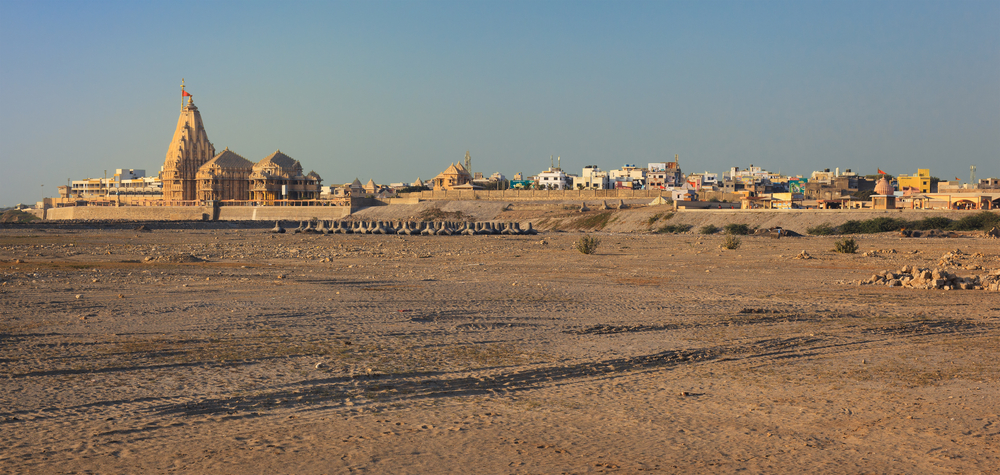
x: 803, y: 255
x: 320, y: 365
x: 918, y: 278
x: 79, y: 296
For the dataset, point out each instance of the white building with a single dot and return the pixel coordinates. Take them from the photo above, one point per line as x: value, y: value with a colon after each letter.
x: 628, y: 177
x: 592, y: 178
x: 553, y: 178
x: 703, y: 180
x: 125, y: 181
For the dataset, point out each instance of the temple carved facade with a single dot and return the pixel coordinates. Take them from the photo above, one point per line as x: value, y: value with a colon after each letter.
x: 225, y: 177
x: 280, y: 177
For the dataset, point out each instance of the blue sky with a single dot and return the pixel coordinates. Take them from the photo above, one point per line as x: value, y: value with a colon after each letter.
x: 397, y: 90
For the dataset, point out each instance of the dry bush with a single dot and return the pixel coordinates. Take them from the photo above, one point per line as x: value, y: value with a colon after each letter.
x: 588, y: 244
x: 731, y: 241
x: 846, y: 246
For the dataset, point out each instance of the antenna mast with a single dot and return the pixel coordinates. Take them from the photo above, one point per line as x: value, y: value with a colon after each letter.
x: 468, y: 162
x: 972, y: 175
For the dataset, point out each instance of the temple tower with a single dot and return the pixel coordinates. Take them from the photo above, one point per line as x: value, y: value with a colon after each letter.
x: 189, y: 150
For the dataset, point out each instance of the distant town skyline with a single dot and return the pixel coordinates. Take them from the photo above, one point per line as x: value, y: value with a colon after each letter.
x: 398, y: 90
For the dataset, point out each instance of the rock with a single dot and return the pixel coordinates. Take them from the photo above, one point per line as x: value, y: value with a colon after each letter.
x: 79, y: 296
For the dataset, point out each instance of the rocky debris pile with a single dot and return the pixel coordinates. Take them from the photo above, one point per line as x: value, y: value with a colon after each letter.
x: 176, y: 259
x: 803, y: 255
x: 954, y: 259
x: 918, y: 278
x: 878, y: 252
x: 413, y: 228
x: 993, y: 233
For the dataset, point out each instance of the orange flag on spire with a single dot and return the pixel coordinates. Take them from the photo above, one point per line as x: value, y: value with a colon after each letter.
x: 184, y: 93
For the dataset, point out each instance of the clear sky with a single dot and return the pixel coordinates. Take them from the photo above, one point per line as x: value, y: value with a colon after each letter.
x: 395, y: 90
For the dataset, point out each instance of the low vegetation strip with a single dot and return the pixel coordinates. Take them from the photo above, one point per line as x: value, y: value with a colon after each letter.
x: 982, y: 221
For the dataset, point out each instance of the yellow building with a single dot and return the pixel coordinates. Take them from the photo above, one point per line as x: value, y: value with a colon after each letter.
x: 921, y: 181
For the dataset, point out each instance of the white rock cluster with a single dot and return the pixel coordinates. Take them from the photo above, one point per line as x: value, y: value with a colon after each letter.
x: 913, y: 277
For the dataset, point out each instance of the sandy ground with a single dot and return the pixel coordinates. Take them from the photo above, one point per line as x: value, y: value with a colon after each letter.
x: 122, y: 353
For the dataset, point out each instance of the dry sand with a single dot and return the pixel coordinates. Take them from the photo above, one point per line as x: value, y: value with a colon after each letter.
x: 238, y: 351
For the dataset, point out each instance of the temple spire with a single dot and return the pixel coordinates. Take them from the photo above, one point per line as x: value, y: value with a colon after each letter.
x: 189, y: 149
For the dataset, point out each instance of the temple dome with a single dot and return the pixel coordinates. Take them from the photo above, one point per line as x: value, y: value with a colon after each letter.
x: 883, y: 187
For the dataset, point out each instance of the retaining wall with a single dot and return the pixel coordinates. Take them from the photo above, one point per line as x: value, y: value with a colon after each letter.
x: 194, y: 213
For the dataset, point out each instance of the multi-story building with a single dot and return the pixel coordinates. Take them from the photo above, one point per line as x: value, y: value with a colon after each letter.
x: 592, y: 178
x: 919, y: 183
x: 703, y: 180
x: 127, y: 183
x: 629, y: 176
x: 553, y: 178
x: 664, y: 175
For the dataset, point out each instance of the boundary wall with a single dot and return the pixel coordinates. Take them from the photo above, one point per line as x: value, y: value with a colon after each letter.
x: 529, y: 195
x: 193, y: 213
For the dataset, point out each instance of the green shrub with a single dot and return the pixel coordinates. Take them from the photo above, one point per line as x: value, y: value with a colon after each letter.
x: 731, y: 241
x: 883, y: 225
x: 933, y: 222
x: 822, y: 230
x: 850, y: 227
x: 737, y: 229
x: 674, y: 228
x: 982, y: 221
x: 874, y: 225
x: 708, y: 229
x: 846, y: 246
x: 588, y: 244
